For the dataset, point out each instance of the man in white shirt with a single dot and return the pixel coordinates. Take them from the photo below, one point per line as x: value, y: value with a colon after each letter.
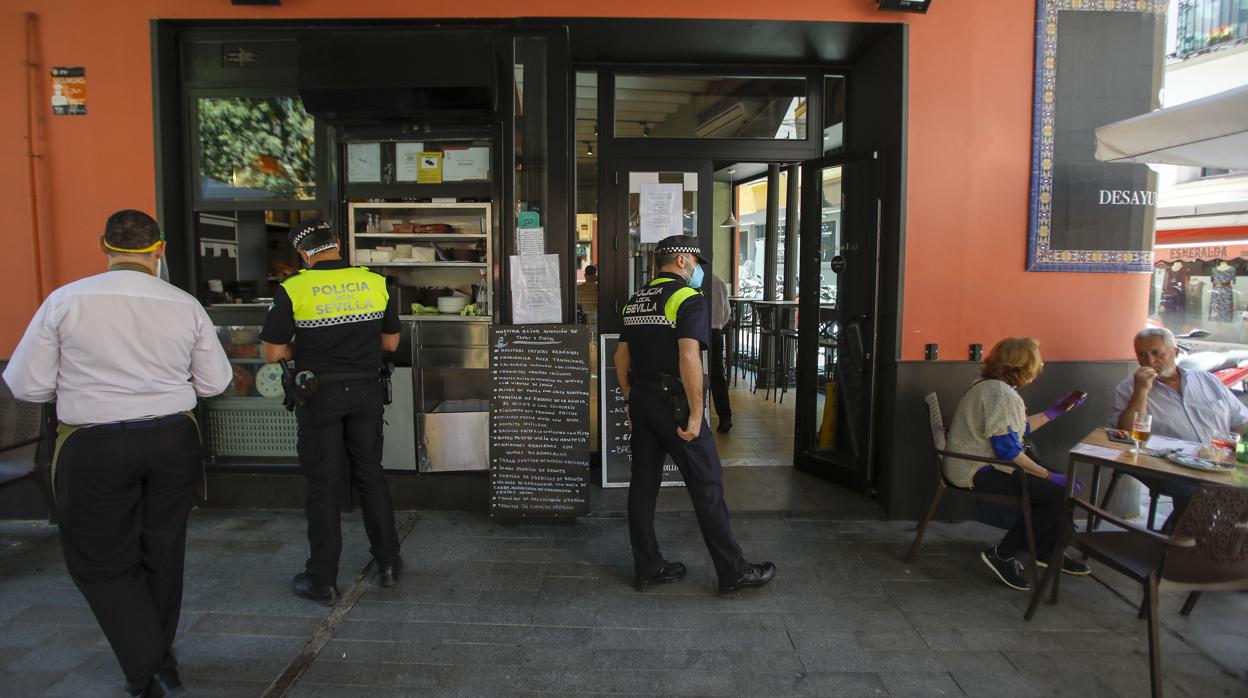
x: 125, y: 356
x: 1191, y: 405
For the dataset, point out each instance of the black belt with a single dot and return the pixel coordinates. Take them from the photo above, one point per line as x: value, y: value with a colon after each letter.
x: 145, y: 423
x: 339, y: 377
x: 648, y: 383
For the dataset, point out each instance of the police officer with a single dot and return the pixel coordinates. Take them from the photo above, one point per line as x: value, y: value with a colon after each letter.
x: 343, y: 319
x: 659, y: 363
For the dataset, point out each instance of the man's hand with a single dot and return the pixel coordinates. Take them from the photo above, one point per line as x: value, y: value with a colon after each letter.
x: 692, y: 428
x: 1144, y: 377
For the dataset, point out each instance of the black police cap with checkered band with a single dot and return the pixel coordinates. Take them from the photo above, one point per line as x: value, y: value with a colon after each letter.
x: 681, y: 244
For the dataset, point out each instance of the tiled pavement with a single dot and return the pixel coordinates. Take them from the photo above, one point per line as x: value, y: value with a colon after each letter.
x: 490, y: 608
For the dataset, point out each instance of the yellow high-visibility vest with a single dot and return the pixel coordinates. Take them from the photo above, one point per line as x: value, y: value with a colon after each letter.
x: 323, y: 297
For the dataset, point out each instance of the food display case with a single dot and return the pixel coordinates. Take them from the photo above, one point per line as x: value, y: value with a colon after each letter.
x: 248, y: 420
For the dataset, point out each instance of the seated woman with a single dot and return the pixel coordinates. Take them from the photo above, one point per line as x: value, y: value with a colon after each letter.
x: 991, y: 421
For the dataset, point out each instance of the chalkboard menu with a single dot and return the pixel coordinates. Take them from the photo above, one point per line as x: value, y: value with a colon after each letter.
x: 539, y: 420
x: 617, y: 454
x: 1096, y: 63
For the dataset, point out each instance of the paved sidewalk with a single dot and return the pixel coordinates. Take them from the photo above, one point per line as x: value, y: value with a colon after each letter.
x: 489, y: 608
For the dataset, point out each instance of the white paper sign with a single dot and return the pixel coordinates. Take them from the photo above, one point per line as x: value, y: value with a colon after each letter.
x: 465, y: 164
x: 1097, y: 451
x: 406, y: 160
x: 531, y: 241
x: 661, y: 211
x: 535, y: 289
x: 364, y: 162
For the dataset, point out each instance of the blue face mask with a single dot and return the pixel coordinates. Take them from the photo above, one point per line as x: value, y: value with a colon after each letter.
x: 695, y: 281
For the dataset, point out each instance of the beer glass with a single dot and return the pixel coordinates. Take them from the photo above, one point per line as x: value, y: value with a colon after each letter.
x: 1141, y: 428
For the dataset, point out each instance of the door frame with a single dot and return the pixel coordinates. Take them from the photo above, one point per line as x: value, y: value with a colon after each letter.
x: 862, y: 194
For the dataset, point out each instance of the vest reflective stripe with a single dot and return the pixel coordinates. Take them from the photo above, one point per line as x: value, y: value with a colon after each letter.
x: 323, y: 297
x: 673, y: 302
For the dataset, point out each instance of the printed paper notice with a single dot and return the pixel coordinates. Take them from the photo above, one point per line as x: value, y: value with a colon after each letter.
x: 661, y: 211
x: 535, y: 289
x: 531, y: 241
x: 69, y: 91
x: 465, y: 164
x: 429, y: 168
x: 407, y: 160
x: 1096, y: 451
x: 364, y: 162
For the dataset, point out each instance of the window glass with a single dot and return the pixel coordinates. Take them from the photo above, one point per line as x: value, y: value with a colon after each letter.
x: 654, y: 106
x: 256, y: 148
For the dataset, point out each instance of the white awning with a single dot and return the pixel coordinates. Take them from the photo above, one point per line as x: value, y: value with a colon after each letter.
x: 1207, y: 132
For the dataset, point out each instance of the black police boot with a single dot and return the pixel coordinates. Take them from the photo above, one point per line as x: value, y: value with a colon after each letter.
x: 755, y: 575
x: 671, y: 572
x: 388, y: 573
x: 304, y: 587
x: 164, y: 683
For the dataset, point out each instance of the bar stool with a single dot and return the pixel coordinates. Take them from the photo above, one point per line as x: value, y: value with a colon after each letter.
x: 788, y: 361
x: 768, y: 332
x: 746, y: 328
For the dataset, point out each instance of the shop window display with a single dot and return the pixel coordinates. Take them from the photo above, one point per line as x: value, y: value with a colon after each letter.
x: 1211, y: 295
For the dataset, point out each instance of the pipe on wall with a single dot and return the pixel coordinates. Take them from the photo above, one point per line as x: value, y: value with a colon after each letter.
x: 33, y: 103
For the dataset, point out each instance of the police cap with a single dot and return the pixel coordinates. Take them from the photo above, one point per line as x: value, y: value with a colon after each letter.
x: 681, y: 244
x: 311, y: 234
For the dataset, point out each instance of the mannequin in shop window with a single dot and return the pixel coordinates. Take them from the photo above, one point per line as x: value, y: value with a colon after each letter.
x: 1173, y: 294
x: 1222, y: 296
x: 1195, y: 293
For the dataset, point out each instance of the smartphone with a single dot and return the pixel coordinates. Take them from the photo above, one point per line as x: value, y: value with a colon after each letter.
x: 1072, y: 398
x: 1120, y: 436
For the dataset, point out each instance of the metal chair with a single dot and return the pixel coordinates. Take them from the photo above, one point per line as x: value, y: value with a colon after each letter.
x: 1208, y: 552
x: 1022, y: 500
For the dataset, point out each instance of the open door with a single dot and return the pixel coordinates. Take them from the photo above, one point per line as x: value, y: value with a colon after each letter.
x: 839, y: 297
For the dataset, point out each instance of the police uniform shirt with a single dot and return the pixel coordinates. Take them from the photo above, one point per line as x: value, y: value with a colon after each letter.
x: 336, y: 313
x: 656, y: 317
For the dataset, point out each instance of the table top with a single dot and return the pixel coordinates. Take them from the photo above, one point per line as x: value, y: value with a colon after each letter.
x: 1152, y: 466
x: 760, y: 301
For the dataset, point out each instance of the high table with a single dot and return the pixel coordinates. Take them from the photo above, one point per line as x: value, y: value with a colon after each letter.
x: 774, y: 316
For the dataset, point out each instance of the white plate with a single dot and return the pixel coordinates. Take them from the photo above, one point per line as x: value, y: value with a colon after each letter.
x: 1199, y: 463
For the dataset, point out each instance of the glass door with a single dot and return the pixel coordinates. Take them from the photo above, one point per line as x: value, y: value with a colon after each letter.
x: 839, y: 263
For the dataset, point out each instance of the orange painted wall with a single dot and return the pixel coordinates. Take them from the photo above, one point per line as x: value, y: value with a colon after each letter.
x: 969, y: 141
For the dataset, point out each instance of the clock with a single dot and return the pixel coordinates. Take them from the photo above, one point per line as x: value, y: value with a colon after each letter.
x: 269, y: 380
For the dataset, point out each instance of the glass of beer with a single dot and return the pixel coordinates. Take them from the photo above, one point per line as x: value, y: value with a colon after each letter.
x: 1141, y: 428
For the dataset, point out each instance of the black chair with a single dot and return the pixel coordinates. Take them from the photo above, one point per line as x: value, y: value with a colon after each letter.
x: 25, y: 451
x: 1022, y: 500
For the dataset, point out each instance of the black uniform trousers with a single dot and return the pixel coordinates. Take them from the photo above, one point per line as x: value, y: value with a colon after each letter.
x: 654, y: 434
x: 344, y: 417
x: 719, y: 377
x: 1048, y: 504
x: 124, y: 493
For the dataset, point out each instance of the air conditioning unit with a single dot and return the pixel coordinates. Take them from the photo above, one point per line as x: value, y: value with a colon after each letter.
x: 725, y: 121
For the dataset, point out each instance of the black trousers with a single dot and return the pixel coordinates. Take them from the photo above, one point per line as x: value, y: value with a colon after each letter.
x: 719, y: 377
x: 124, y: 494
x: 1048, y: 504
x: 344, y: 417
x: 654, y: 434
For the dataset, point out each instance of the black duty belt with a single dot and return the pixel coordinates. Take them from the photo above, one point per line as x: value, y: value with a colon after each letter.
x: 339, y: 377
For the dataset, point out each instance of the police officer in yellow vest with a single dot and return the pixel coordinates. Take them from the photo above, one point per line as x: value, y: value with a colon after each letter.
x: 659, y: 364
x: 342, y: 319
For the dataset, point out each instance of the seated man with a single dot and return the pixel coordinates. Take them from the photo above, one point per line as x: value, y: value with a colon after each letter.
x: 1185, y: 404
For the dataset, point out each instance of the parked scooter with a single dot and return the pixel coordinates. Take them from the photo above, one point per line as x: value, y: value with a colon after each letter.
x: 1231, y: 367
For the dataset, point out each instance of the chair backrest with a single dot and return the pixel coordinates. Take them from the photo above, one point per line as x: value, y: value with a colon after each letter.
x: 1217, y: 517
x: 19, y: 421
x: 938, y: 422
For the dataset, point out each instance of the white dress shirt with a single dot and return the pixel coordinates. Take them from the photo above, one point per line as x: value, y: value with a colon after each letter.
x: 1205, y: 408
x: 721, y: 310
x: 117, y: 346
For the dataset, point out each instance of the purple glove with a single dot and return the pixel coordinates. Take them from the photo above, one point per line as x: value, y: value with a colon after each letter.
x: 1060, y: 479
x: 1066, y: 403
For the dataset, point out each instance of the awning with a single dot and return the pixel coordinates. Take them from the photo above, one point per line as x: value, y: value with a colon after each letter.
x: 1207, y: 132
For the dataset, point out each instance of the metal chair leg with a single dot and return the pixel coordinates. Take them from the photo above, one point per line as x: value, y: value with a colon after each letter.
x: 1188, y: 605
x: 1154, y: 635
x: 927, y: 518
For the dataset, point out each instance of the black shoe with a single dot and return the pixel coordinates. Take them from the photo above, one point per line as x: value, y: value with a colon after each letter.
x: 389, y: 573
x: 1069, y: 566
x: 164, y: 683
x: 306, y: 588
x: 671, y: 572
x: 1008, y: 570
x: 755, y: 575
x: 725, y: 426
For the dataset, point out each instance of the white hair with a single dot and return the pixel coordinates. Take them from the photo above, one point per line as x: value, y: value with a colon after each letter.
x: 1162, y: 332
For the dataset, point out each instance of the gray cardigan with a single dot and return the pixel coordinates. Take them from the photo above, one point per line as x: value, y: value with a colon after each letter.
x: 990, y: 408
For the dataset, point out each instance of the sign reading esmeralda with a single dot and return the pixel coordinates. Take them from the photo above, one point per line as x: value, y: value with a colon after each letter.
x: 1097, y: 62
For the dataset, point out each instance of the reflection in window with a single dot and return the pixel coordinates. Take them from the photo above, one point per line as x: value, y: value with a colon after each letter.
x: 652, y: 106
x: 256, y: 148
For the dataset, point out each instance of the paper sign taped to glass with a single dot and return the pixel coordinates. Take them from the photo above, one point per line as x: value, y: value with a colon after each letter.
x: 535, y: 289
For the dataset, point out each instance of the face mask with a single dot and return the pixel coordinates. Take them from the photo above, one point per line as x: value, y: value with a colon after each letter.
x: 695, y: 281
